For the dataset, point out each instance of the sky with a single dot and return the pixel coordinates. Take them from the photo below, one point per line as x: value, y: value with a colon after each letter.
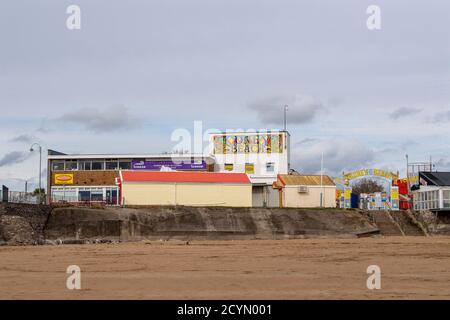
x: 136, y: 71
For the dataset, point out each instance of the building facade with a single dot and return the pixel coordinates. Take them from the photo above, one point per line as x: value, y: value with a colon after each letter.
x: 260, y: 154
x: 185, y: 188
x: 433, y: 193
x: 94, y: 178
x: 305, y: 191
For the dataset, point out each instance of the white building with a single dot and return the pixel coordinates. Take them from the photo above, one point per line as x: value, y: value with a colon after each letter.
x: 260, y: 154
x: 433, y: 193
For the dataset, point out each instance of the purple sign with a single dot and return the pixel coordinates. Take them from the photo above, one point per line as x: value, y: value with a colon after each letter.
x: 155, y: 165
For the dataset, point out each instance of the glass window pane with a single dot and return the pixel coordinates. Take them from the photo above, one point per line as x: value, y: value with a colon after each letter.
x: 71, y: 165
x: 270, y: 167
x: 85, y: 165
x: 97, y: 165
x: 111, y: 165
x: 96, y: 195
x: 446, y: 194
x: 125, y: 165
x: 85, y: 196
x: 58, y: 165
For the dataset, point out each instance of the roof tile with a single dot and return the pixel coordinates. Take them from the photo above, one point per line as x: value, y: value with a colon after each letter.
x: 305, y: 180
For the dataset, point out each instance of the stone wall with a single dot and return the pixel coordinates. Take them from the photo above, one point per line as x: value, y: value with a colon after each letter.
x: 23, y: 223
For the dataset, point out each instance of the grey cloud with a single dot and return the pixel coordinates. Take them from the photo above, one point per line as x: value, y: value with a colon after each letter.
x: 301, y: 109
x: 305, y: 141
x: 441, y: 117
x: 408, y: 144
x: 23, y: 138
x: 43, y: 127
x: 403, y: 112
x: 114, y: 118
x: 339, y: 155
x: 393, y: 147
x: 14, y: 157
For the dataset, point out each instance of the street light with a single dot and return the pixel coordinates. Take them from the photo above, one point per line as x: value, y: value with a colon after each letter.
x: 321, y: 181
x: 40, y: 167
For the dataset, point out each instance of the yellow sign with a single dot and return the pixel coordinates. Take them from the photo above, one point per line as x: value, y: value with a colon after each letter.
x: 370, y: 172
x: 347, y: 193
x: 64, y: 178
x: 249, y: 168
x: 229, y: 166
x: 248, y: 143
x: 394, y: 193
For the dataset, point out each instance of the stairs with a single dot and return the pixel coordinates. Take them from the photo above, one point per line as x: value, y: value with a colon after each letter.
x: 385, y: 224
x: 396, y: 223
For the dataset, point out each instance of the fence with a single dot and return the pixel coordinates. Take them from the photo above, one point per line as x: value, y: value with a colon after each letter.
x: 22, y: 197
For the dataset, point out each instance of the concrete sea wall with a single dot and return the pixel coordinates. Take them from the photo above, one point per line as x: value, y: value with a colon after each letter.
x: 31, y: 224
x: 204, y: 223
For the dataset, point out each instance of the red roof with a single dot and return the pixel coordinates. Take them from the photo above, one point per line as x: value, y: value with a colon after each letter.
x: 183, y: 176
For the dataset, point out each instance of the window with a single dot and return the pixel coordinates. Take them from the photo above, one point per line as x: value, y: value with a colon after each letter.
x: 64, y: 195
x: 112, y: 165
x: 446, y: 194
x: 125, y: 165
x: 428, y: 200
x: 111, y: 196
x: 98, y: 165
x: 58, y: 166
x: 85, y: 165
x: 84, y: 195
x: 270, y: 167
x: 71, y: 165
x: 96, y: 194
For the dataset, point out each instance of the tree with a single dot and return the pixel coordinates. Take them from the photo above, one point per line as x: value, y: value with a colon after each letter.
x: 367, y: 186
x: 36, y: 191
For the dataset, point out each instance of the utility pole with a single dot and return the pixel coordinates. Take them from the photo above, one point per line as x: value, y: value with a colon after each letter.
x: 407, y: 182
x: 285, y: 110
x: 321, y: 181
x: 407, y: 173
x: 40, y: 168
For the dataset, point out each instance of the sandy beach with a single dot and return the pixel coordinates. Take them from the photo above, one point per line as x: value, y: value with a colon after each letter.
x: 411, y: 268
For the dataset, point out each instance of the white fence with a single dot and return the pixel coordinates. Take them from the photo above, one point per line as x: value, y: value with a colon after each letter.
x: 21, y: 197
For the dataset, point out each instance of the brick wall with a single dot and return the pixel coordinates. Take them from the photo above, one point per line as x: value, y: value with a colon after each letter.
x: 89, y: 178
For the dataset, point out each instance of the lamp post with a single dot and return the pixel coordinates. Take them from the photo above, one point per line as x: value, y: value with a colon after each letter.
x: 321, y: 181
x: 40, y: 167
